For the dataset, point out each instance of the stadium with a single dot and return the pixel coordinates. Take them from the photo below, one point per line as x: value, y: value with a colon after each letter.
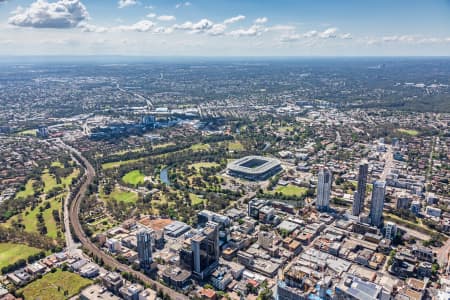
x: 254, y: 167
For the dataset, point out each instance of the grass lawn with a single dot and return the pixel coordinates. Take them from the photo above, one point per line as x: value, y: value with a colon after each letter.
x: 49, y: 181
x: 116, y: 164
x: 28, y: 132
x: 290, y: 190
x: 124, y: 196
x: 195, y: 199
x: 57, y: 164
x: 286, y: 129
x: 29, y: 191
x: 30, y: 220
x: 52, y: 229
x: 411, y: 132
x: 163, y: 145
x: 205, y: 165
x: 235, y: 146
x: 125, y: 151
x: 10, y: 253
x: 200, y: 147
x: 134, y: 177
x: 54, y: 286
x: 67, y: 181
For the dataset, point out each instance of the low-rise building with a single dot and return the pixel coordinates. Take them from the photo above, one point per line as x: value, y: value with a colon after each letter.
x: 96, y: 292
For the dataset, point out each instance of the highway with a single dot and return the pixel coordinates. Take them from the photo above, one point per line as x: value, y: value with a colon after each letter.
x: 389, y: 161
x: 74, y: 210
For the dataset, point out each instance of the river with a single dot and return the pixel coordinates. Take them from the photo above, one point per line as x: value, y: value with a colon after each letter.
x: 164, y: 175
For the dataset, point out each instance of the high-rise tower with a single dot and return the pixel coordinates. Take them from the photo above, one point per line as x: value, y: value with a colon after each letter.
x: 324, y: 189
x: 144, y: 248
x: 358, y: 201
x: 205, y: 250
x: 376, y: 207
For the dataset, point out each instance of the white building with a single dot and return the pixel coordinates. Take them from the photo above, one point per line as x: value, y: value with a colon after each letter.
x: 113, y: 245
x: 376, y: 207
x: 324, y: 189
x: 265, y: 239
x: 433, y: 211
x: 390, y: 230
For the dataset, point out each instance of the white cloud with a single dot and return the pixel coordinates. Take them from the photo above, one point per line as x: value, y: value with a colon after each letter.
x: 281, y: 28
x: 126, y: 3
x: 234, y: 19
x: 290, y: 37
x: 43, y: 14
x: 217, y: 29
x: 181, y: 4
x: 166, y: 18
x: 412, y: 39
x: 141, y: 26
x: 85, y: 27
x: 254, y: 30
x: 346, y: 36
x: 261, y: 20
x: 163, y: 30
x: 201, y: 26
x: 151, y: 15
x: 329, y: 33
x: 311, y: 33
x: 400, y: 38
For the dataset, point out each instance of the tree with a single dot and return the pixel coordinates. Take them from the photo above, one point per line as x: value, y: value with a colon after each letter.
x: 266, y: 293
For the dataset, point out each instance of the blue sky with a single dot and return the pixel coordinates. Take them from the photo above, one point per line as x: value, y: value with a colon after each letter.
x: 225, y: 27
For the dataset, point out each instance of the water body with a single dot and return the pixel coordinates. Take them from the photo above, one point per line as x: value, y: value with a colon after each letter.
x: 164, y: 175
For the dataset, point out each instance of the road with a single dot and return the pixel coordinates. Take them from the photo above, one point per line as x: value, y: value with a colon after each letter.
x: 443, y: 254
x: 74, y: 210
x: 414, y: 233
x: 71, y: 246
x: 388, y: 162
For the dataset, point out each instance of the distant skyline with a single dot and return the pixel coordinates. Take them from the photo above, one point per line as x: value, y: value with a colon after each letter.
x: 225, y: 27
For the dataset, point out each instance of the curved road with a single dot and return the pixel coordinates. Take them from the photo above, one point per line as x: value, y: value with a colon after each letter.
x: 74, y: 210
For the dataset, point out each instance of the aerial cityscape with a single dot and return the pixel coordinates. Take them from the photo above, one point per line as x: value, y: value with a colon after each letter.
x: 289, y: 150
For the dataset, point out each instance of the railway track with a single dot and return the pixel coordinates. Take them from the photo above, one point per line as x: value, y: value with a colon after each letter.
x: 74, y: 210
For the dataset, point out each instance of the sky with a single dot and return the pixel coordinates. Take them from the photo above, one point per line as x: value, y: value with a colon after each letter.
x: 225, y: 27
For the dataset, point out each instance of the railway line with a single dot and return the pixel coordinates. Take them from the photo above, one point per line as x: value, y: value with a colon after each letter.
x: 74, y: 210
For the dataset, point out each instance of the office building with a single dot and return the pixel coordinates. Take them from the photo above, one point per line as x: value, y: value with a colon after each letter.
x: 113, y: 245
x: 205, y: 249
x: 42, y: 132
x: 95, y: 292
x: 377, y: 204
x: 358, y: 201
x: 324, y: 189
x: 131, y: 292
x: 265, y: 239
x: 176, y: 277
x: 254, y: 206
x: 390, y: 230
x: 112, y: 281
x: 354, y: 288
x: 144, y: 248
x: 148, y: 120
x: 403, y: 201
